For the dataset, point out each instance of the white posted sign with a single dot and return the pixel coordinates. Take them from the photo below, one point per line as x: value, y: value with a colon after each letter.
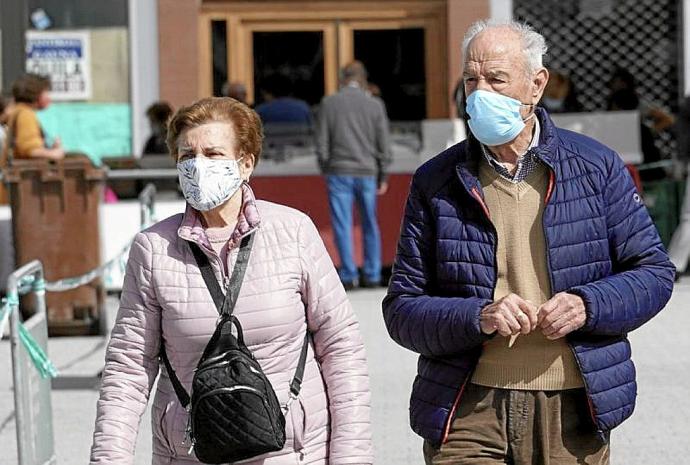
x: 65, y: 57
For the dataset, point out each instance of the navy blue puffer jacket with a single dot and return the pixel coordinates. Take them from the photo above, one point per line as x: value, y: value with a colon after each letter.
x: 601, y: 245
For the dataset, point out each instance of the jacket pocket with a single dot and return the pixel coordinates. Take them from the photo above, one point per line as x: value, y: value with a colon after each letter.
x: 160, y: 419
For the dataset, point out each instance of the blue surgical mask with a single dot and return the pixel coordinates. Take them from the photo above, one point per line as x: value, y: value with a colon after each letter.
x: 494, y: 118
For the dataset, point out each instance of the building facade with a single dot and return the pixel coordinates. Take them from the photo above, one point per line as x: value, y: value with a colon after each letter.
x: 411, y: 48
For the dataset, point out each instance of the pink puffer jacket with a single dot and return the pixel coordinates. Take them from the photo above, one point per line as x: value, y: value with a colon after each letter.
x: 289, y: 276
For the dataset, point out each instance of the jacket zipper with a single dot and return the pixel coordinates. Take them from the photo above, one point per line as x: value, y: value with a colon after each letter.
x: 228, y: 390
x: 456, y: 402
x: 552, y: 182
x: 451, y: 414
x: 215, y: 364
x: 224, y: 279
x: 549, y: 192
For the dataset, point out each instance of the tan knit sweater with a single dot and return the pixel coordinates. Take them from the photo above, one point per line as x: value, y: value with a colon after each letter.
x: 534, y: 362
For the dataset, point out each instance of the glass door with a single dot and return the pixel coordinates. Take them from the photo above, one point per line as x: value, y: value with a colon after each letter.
x: 394, y: 59
x: 404, y: 61
x: 288, y: 64
x: 406, y: 58
x: 233, y: 49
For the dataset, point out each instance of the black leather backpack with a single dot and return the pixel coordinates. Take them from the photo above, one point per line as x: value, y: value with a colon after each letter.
x: 234, y: 413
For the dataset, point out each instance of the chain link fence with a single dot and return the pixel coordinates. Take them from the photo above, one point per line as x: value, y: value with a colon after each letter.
x: 589, y: 39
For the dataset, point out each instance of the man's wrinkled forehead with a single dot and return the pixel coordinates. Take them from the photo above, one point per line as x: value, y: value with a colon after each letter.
x: 494, y: 44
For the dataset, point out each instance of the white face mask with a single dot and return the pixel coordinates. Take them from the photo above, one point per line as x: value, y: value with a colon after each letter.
x: 207, y: 183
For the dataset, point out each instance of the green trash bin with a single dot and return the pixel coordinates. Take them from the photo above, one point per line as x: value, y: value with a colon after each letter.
x: 664, y: 200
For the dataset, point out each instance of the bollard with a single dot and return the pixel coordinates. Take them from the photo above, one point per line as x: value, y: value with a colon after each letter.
x: 147, y: 200
x: 33, y: 411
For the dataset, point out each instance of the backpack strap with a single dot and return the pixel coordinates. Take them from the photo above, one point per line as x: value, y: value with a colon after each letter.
x: 225, y: 304
x: 182, y: 395
x: 237, y: 277
x: 208, y: 275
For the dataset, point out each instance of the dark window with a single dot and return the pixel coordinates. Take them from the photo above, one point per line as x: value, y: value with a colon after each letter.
x: 292, y: 62
x: 395, y: 61
x: 219, y: 48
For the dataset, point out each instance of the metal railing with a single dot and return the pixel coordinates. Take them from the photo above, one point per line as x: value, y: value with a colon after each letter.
x: 31, y: 369
x: 32, y: 403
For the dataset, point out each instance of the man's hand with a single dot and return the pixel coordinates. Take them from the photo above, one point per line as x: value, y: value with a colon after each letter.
x: 509, y: 315
x: 561, y: 315
x: 382, y: 188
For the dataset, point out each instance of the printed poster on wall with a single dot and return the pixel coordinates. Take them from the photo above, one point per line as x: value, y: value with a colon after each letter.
x: 65, y: 57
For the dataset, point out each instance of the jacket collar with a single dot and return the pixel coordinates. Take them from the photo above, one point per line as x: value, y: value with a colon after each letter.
x: 192, y: 227
x: 469, y: 156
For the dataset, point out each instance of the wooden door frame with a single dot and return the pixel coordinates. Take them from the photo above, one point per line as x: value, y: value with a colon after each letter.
x: 337, y: 20
x: 245, y: 71
x: 240, y: 43
x: 436, y: 82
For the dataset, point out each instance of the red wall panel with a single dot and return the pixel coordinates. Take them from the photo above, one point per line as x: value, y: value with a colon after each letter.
x: 308, y: 194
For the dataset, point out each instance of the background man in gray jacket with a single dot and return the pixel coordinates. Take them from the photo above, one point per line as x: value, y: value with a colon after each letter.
x: 353, y: 153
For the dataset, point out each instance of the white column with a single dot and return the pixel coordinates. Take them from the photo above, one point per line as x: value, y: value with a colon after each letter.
x: 143, y: 55
x: 501, y: 10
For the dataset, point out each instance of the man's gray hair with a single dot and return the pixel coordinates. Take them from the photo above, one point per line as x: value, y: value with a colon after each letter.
x: 533, y: 44
x: 354, y: 71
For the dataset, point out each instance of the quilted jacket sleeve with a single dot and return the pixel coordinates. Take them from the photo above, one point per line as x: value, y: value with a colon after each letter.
x: 642, y: 278
x: 340, y: 351
x: 131, y: 362
x: 416, y: 319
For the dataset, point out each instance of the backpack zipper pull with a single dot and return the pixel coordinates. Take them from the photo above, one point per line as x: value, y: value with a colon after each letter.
x: 188, y: 428
x: 187, y: 433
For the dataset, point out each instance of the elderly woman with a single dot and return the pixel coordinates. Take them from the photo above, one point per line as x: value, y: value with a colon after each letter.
x: 290, y: 287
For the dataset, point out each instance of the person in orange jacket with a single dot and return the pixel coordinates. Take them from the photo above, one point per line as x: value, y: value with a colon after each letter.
x: 31, y: 92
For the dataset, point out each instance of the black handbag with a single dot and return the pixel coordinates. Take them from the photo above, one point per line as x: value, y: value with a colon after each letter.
x: 234, y: 413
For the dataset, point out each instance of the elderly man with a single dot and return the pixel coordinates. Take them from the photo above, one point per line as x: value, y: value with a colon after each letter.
x: 352, y: 147
x: 522, y: 230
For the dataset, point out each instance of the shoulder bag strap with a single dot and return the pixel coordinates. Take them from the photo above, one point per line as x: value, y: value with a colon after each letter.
x: 296, y: 383
x: 208, y: 275
x: 233, y: 291
x: 177, y: 386
x: 225, y: 304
